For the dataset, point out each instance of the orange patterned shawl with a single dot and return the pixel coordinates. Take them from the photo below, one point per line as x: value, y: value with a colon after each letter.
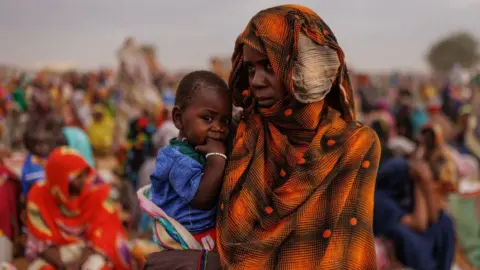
x: 299, y: 186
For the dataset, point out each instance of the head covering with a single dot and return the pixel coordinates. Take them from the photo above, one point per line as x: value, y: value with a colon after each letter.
x: 298, y: 44
x: 62, y: 166
x: 465, y: 110
x: 440, y: 159
x: 78, y: 140
x: 301, y: 174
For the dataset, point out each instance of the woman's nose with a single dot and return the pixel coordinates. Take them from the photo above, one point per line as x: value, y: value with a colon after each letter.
x: 258, y: 80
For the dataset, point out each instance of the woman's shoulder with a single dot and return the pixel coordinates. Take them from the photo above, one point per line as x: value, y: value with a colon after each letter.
x: 350, y: 140
x: 358, y: 133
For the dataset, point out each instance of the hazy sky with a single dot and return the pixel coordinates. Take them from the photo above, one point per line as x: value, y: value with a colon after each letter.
x: 375, y: 34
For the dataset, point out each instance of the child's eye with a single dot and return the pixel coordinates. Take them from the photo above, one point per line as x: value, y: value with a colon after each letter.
x: 207, y: 118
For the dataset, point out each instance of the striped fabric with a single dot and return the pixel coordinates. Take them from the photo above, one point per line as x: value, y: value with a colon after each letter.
x: 299, y: 186
x: 168, y: 233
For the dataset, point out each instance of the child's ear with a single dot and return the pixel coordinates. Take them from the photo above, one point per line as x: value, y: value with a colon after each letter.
x: 177, y: 117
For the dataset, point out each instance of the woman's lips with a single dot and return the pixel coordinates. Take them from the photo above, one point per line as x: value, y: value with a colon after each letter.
x: 265, y: 102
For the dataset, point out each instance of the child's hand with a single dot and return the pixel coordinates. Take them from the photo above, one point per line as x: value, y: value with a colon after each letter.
x: 212, y: 146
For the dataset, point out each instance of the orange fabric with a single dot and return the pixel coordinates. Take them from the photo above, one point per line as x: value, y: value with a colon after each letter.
x: 299, y: 185
x: 54, y: 217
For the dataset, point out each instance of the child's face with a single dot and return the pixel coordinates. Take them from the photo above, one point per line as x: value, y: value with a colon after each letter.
x: 42, y: 144
x: 207, y: 116
x: 98, y: 116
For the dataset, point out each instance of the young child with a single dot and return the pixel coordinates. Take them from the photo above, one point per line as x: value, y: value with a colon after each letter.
x: 189, y: 171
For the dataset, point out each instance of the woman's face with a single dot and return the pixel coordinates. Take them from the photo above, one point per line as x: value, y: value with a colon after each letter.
x: 76, y: 184
x: 428, y: 139
x: 267, y: 89
x: 98, y: 116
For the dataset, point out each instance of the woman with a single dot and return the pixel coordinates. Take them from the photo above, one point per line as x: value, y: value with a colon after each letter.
x: 140, y: 135
x: 438, y: 118
x: 382, y: 129
x: 406, y: 213
x: 101, y: 130
x: 298, y: 189
x: 72, y: 222
x: 134, y: 83
x: 77, y: 139
x: 438, y: 155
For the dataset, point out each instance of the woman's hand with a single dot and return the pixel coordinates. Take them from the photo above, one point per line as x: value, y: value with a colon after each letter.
x: 52, y: 256
x: 420, y: 170
x: 76, y: 265
x: 423, y: 177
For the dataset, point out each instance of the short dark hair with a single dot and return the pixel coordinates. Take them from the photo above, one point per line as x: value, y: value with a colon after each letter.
x: 193, y: 82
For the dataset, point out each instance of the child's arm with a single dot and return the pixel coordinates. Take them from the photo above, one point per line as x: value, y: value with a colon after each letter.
x: 206, y: 196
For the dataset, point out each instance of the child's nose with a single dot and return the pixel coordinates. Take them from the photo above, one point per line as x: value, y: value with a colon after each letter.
x: 218, y: 127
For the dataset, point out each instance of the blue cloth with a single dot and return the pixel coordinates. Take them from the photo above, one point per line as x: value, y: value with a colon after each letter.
x: 31, y: 173
x: 419, y: 118
x: 433, y: 249
x: 78, y: 140
x: 175, y: 181
x: 168, y: 98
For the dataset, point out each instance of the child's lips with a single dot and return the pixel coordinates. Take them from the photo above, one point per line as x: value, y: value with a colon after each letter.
x: 218, y: 137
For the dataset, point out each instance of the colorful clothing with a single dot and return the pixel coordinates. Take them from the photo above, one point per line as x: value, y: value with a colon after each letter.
x: 100, y: 132
x: 299, y: 185
x: 441, y: 162
x: 69, y: 254
x: 9, y: 222
x: 19, y: 98
x: 9, y: 192
x: 394, y: 198
x: 32, y: 171
x: 141, y: 146
x: 78, y: 140
x: 55, y: 218
x: 465, y: 211
x: 167, y: 232
x: 175, y: 181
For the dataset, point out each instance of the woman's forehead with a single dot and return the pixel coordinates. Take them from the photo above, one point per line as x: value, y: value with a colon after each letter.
x: 252, y: 55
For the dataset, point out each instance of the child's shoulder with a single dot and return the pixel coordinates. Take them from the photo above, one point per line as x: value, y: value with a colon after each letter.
x: 182, y: 151
x: 171, y: 161
x: 179, y: 154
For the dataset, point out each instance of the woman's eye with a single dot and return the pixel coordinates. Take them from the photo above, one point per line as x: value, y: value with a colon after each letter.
x: 227, y: 121
x: 268, y: 68
x: 251, y: 69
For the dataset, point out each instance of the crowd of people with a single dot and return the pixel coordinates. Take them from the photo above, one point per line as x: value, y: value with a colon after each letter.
x: 266, y: 168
